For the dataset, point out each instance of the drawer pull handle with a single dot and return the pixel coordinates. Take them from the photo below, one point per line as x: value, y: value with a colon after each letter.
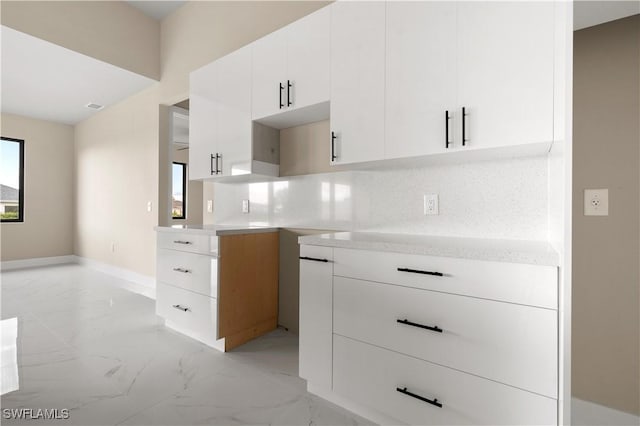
x: 421, y: 398
x: 417, y: 271
x: 315, y: 259
x: 182, y: 242
x: 415, y: 324
x: 184, y: 271
x: 181, y: 308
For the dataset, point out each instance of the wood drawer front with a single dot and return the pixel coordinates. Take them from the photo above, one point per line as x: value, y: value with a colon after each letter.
x: 189, y: 242
x: 370, y: 376
x: 512, y: 344
x: 195, y: 272
x: 533, y: 285
x: 199, y: 320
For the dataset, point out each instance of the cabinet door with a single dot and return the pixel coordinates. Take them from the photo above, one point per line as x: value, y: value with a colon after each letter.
x: 316, y: 307
x: 233, y: 100
x: 308, y: 59
x: 268, y: 73
x: 420, y: 77
x: 505, y: 68
x: 357, y: 80
x: 202, y: 122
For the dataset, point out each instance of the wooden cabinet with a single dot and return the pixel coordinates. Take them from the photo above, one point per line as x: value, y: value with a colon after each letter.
x: 291, y: 66
x: 357, y: 81
x: 505, y: 72
x: 316, y: 303
x: 220, y: 290
x: 420, y: 77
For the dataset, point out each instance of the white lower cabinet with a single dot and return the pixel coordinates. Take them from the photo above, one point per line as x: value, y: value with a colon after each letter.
x: 190, y: 313
x: 387, y: 334
x: 408, y: 389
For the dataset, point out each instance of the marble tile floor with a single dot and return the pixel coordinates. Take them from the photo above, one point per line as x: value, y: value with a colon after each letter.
x: 98, y: 350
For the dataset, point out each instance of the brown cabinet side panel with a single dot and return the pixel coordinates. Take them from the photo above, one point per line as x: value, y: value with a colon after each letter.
x: 248, y: 286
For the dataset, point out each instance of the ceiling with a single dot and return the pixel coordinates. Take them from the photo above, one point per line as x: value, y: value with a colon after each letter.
x: 157, y: 9
x: 587, y: 13
x: 46, y: 81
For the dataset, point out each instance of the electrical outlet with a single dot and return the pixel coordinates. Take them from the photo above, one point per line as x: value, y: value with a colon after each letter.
x: 113, y: 247
x: 149, y: 206
x: 245, y: 206
x: 431, y: 206
x: 596, y: 202
x: 209, y: 206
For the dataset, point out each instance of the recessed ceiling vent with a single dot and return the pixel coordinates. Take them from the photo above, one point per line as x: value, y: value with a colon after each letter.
x: 94, y: 106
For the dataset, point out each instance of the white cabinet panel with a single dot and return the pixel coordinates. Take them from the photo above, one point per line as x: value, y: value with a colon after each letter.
x: 505, y: 72
x: 233, y: 98
x: 308, y: 59
x: 357, y: 80
x: 316, y: 306
x: 420, y: 76
x: 202, y: 122
x: 505, y: 342
x: 193, y: 272
x: 533, y: 285
x: 268, y: 73
x: 190, y: 242
x: 372, y: 376
x: 189, y: 313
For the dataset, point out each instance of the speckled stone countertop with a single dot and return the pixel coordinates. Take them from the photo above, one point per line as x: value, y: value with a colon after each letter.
x: 215, y: 229
x: 512, y: 251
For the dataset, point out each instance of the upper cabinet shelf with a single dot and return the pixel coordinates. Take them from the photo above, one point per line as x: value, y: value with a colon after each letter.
x: 398, y: 80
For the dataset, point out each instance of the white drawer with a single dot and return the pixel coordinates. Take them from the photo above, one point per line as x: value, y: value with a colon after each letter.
x: 195, y: 272
x: 188, y: 241
x: 509, y: 343
x: 533, y: 285
x: 192, y: 314
x: 371, y: 376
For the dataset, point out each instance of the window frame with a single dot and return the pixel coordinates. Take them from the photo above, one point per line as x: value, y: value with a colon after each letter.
x: 20, y: 218
x: 184, y: 191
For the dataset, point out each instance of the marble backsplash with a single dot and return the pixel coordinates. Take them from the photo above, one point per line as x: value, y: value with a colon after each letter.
x: 493, y: 199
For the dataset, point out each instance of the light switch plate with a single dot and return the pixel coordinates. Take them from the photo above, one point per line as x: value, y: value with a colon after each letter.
x: 596, y: 202
x: 245, y: 206
x: 209, y: 206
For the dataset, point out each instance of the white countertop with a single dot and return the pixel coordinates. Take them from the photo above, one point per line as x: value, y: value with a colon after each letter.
x: 512, y: 251
x: 216, y: 229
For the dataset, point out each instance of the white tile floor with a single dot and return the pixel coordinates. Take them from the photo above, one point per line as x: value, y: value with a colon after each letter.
x: 88, y: 345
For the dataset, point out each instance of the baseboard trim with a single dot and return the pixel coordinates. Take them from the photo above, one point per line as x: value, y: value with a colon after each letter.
x: 586, y: 413
x: 9, y: 265
x: 132, y: 281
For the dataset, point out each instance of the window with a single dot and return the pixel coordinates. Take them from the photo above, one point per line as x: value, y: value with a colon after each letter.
x: 11, y: 180
x: 179, y: 191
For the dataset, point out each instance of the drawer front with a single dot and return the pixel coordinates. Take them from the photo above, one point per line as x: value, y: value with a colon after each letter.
x: 192, y: 314
x: 512, y: 344
x: 371, y: 376
x: 195, y: 272
x: 189, y: 242
x: 533, y: 285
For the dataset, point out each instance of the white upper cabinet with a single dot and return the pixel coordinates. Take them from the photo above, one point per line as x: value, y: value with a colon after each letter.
x: 202, y: 122
x: 308, y: 60
x: 233, y: 98
x: 505, y: 72
x: 357, y: 81
x: 420, y: 77
x: 291, y: 66
x: 269, y: 72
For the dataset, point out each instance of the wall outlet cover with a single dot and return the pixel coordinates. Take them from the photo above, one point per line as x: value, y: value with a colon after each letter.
x: 431, y: 205
x: 245, y: 206
x: 209, y: 206
x: 596, y: 202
